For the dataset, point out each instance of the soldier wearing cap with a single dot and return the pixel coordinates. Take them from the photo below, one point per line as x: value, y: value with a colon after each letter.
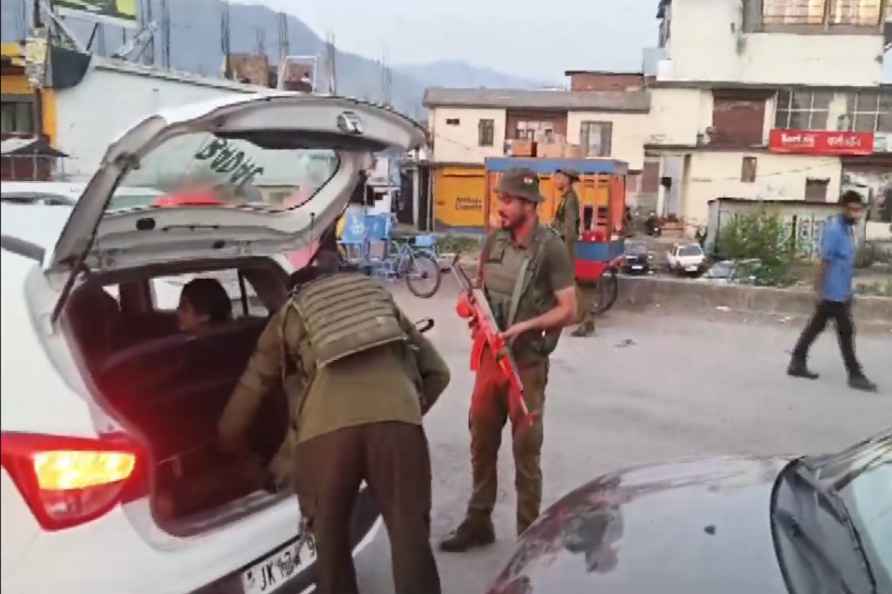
x: 528, y: 280
x: 567, y: 223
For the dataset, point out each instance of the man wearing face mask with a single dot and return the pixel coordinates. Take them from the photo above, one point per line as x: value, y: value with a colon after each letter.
x: 834, y: 288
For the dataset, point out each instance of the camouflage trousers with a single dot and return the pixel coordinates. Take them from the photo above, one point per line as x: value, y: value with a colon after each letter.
x: 489, y: 412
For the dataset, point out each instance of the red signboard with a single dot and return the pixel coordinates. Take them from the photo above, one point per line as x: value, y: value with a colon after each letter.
x: 821, y: 142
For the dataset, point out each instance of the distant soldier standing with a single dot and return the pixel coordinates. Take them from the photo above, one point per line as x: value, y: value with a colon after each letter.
x: 359, y: 377
x: 567, y: 223
x: 528, y: 281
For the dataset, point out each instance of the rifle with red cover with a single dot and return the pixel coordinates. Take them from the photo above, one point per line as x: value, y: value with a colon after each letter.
x: 472, y: 304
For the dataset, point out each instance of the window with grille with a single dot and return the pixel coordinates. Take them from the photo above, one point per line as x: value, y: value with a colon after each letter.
x: 859, y: 13
x: 17, y: 117
x: 486, y: 132
x: 596, y: 138
x: 855, y: 12
x: 803, y: 110
x: 870, y: 111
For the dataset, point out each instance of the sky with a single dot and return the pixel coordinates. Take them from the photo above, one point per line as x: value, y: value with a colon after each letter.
x: 537, y: 40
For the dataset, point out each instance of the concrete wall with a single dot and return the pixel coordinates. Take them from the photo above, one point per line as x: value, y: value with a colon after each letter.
x: 708, y: 45
x: 460, y: 144
x: 630, y: 132
x: 703, y: 297
x: 678, y: 115
x: 879, y: 231
x: 108, y: 101
x: 716, y: 174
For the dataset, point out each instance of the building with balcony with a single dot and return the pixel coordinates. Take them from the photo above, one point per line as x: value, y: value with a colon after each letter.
x: 774, y: 99
x: 468, y: 125
x: 752, y: 99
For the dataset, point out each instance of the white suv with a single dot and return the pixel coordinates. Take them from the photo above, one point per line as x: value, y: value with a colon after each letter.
x: 109, y: 479
x: 686, y: 258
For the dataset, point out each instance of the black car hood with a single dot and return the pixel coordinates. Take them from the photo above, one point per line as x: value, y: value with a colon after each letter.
x: 698, y: 526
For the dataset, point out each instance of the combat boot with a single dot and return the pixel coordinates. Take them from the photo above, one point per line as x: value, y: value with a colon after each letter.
x: 585, y: 329
x: 469, y: 534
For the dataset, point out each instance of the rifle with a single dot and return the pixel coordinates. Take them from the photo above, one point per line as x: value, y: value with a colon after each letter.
x: 472, y: 304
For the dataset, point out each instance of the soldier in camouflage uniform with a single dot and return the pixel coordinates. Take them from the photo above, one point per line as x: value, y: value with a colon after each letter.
x: 528, y: 282
x: 359, y: 376
x: 567, y: 223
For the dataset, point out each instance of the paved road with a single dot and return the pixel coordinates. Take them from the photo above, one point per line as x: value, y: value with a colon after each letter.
x: 647, y: 388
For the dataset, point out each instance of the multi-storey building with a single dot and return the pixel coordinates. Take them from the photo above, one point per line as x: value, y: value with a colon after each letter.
x: 754, y: 99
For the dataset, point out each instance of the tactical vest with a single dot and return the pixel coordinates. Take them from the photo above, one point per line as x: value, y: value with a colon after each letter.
x: 518, y: 293
x: 346, y: 314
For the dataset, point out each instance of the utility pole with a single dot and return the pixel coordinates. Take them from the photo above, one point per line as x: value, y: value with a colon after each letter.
x: 25, y: 29
x: 330, y: 59
x: 149, y: 56
x: 100, y: 39
x: 386, y: 81
x: 260, y: 35
x: 165, y: 34
x: 225, y: 33
x: 284, y: 48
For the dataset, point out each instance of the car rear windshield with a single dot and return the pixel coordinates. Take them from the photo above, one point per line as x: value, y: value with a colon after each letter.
x: 690, y: 250
x: 202, y: 169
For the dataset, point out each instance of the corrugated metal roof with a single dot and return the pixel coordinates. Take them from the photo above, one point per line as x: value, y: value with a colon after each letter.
x: 556, y: 100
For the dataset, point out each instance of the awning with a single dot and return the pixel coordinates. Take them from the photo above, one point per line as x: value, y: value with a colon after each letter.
x: 28, y: 146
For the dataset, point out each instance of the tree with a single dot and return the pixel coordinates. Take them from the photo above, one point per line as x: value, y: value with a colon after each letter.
x: 762, y: 239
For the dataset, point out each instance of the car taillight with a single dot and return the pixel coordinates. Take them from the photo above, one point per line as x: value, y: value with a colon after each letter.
x: 68, y: 481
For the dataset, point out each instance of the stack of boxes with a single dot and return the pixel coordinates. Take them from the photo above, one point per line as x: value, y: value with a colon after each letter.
x: 556, y: 147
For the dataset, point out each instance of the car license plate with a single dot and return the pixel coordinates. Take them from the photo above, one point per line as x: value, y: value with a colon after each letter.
x: 637, y: 267
x: 273, y: 572
x: 691, y: 269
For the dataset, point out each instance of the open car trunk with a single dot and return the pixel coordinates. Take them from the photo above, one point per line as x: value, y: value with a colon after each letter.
x: 169, y: 389
x: 198, y: 188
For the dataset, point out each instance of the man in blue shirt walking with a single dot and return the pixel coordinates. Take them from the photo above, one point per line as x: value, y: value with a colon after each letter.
x: 834, y: 287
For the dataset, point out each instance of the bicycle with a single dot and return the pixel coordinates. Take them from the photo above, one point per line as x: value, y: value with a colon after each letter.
x: 421, y: 270
x: 606, y: 291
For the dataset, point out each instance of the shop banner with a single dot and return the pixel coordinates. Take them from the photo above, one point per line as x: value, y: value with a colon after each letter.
x: 821, y: 142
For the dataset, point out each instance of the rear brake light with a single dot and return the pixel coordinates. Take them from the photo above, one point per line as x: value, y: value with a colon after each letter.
x: 68, y: 481
x: 74, y: 469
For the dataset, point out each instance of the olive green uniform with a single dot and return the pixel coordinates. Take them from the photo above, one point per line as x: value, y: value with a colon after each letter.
x: 521, y: 280
x: 352, y: 419
x: 567, y: 222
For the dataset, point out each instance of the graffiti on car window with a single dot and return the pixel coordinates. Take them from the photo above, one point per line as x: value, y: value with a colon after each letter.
x: 227, y: 159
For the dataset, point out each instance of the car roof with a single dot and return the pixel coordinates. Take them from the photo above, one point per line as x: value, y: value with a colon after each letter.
x: 39, y: 224
x: 70, y: 191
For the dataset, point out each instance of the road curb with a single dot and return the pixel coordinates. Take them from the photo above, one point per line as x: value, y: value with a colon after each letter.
x: 702, y: 296
x: 699, y: 296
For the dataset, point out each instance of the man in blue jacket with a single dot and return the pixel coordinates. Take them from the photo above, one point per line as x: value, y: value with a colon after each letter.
x: 834, y: 288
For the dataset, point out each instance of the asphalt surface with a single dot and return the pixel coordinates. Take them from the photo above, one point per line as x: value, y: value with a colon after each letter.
x: 649, y: 387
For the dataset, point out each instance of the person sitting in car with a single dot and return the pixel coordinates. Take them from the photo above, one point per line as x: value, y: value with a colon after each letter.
x: 203, y: 302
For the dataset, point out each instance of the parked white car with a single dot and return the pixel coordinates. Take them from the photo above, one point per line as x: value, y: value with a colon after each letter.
x: 107, y: 410
x: 686, y: 258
